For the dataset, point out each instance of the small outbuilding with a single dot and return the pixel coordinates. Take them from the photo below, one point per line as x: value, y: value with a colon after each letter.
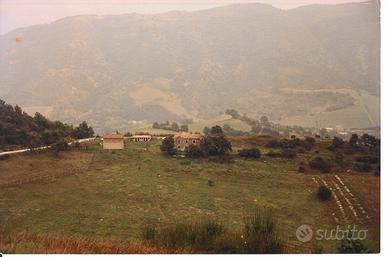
x: 140, y: 138
x: 113, y: 141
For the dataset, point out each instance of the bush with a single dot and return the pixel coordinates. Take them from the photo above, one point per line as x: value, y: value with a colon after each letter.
x: 352, y: 246
x: 250, y: 153
x: 198, y: 236
x: 288, y: 153
x: 321, y: 164
x: 301, y: 169
x: 148, y: 232
x: 362, y: 167
x: 194, y: 151
x: 336, y: 144
x: 260, y: 233
x: 273, y: 154
x: 60, y: 146
x: 324, y: 193
x: 168, y: 146
x: 368, y: 159
x: 210, y: 183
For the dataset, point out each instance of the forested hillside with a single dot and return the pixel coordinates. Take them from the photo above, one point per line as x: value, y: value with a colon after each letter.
x: 18, y: 129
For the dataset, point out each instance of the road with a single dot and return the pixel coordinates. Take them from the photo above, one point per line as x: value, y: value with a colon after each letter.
x: 44, y: 147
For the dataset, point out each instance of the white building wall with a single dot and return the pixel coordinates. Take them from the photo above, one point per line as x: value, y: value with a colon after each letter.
x: 113, y: 145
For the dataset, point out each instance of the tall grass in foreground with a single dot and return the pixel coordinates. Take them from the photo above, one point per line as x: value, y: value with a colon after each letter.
x: 39, y: 243
x: 259, y: 235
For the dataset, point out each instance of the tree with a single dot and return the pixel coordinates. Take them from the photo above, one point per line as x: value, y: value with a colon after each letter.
x: 264, y: 120
x: 206, y: 130
x: 309, y: 143
x: 369, y: 141
x: 353, y: 140
x: 156, y: 125
x: 336, y: 144
x: 256, y: 129
x: 168, y: 146
x: 185, y: 127
x: 41, y: 121
x: 233, y: 113
x: 83, y: 131
x: 216, y: 131
x: 60, y: 146
x: 215, y: 143
x: 175, y: 126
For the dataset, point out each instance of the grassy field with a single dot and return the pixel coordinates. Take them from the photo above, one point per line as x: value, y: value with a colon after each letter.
x: 117, y: 193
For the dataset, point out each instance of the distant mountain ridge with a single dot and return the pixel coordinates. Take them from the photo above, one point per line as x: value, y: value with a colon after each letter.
x: 116, y: 70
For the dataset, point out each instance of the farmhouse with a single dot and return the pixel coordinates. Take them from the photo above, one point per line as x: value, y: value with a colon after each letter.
x: 183, y: 140
x: 113, y: 141
x: 140, y: 138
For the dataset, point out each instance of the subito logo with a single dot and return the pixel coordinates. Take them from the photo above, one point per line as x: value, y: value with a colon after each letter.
x: 304, y: 233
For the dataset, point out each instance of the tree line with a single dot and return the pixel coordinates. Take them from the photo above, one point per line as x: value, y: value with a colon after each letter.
x: 18, y: 129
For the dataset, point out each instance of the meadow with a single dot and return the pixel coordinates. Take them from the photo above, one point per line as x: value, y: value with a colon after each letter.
x: 113, y: 195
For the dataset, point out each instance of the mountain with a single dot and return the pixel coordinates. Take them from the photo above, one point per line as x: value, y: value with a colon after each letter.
x: 118, y: 70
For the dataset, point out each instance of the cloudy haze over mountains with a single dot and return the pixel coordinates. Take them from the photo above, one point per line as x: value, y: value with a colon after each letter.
x: 316, y: 65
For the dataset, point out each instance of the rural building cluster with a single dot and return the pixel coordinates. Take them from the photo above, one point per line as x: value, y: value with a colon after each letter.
x: 182, y: 140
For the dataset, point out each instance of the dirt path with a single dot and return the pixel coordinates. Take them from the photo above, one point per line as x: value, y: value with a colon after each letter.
x: 347, y: 206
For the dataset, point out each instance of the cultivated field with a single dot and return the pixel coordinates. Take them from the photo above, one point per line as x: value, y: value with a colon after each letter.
x: 112, y: 195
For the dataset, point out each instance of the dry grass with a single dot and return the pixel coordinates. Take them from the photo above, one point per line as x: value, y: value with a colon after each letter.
x: 24, y: 242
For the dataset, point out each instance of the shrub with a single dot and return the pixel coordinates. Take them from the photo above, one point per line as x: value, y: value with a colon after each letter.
x: 193, y: 151
x: 288, y: 153
x: 301, y: 169
x: 198, y: 236
x: 324, y: 193
x: 250, y: 153
x: 274, y: 154
x: 352, y: 246
x: 321, y: 164
x: 309, y: 143
x: 149, y: 232
x: 60, y: 146
x: 210, y: 183
x: 168, y: 146
x: 362, y: 167
x: 367, y: 159
x: 260, y: 233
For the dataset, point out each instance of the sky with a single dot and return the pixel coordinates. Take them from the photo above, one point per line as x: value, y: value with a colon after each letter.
x: 23, y: 13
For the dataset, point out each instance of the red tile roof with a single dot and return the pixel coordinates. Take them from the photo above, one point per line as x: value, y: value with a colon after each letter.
x: 188, y: 135
x: 113, y: 136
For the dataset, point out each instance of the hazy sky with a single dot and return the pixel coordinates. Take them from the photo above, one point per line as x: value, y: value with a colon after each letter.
x: 22, y: 13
